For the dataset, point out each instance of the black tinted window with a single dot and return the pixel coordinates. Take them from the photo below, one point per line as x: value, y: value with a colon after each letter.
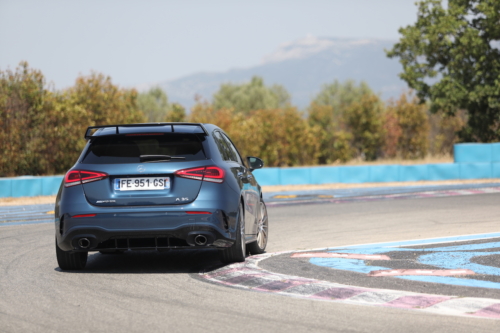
x: 235, y: 156
x: 129, y: 148
x: 224, y: 150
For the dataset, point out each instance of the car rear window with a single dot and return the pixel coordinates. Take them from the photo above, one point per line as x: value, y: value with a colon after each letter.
x: 129, y: 148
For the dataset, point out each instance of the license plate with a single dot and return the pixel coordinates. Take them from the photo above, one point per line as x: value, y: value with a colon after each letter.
x: 142, y: 184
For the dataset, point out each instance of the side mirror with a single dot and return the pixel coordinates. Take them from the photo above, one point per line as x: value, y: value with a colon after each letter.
x: 255, y: 163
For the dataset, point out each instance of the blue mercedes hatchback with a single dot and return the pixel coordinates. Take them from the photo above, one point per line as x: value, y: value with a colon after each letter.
x: 159, y: 186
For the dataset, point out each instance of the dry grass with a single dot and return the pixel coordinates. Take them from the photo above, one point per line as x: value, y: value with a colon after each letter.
x: 427, y: 160
x: 28, y: 200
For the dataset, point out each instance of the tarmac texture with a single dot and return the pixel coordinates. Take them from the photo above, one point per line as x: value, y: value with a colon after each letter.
x: 250, y: 276
x: 449, y: 268
x: 165, y: 291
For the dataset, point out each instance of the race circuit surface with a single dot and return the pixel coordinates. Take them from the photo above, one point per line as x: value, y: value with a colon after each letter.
x: 43, y: 213
x: 152, y: 291
x: 439, y: 271
x: 27, y: 214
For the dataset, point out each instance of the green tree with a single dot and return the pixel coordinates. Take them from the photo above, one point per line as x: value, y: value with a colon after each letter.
x: 22, y: 105
x: 282, y: 137
x: 279, y: 136
x: 341, y: 95
x: 177, y: 113
x: 62, y: 142
x: 154, y: 104
x: 364, y: 121
x: 334, y: 143
x: 392, y: 132
x: 412, y: 125
x: 93, y: 100
x: 451, y: 57
x: 342, y: 136
x: 250, y: 96
x: 42, y: 130
x: 443, y: 131
x: 104, y: 102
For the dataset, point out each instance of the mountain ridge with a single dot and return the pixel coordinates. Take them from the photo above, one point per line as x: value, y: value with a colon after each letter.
x: 302, y: 67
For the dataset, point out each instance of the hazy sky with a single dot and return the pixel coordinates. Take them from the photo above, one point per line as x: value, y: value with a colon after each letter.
x: 147, y: 41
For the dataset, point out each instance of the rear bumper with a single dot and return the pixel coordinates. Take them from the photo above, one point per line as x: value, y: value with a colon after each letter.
x: 154, y: 230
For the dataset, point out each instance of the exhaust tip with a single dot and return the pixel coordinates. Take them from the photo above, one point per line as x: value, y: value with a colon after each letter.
x: 83, y: 243
x: 200, y: 240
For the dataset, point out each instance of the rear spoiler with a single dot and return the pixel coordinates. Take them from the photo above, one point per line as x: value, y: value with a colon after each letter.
x: 89, y: 133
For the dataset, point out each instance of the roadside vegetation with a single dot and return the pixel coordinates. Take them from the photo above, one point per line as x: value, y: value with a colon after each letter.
x: 450, y: 59
x: 42, y: 129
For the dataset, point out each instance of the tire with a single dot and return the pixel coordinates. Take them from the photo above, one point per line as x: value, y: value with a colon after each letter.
x: 237, y: 252
x: 71, y: 261
x: 259, y: 246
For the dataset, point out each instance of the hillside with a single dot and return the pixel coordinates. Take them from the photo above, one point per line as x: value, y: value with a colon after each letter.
x: 302, y: 67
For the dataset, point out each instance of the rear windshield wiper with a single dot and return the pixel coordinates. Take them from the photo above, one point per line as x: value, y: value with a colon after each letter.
x: 160, y: 158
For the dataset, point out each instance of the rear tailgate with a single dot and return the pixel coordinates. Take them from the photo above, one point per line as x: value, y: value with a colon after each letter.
x: 113, y: 191
x: 136, y: 181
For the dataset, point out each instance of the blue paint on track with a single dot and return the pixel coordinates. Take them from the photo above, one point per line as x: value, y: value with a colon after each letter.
x: 469, y: 247
x: 428, y: 241
x: 441, y: 257
x: 353, y: 265
x: 454, y: 259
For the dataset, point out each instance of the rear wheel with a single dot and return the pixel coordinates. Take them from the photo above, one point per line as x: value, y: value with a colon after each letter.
x: 237, y: 252
x: 260, y: 244
x: 72, y: 261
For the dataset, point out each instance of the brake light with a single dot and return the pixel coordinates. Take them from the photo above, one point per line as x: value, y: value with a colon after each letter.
x: 84, y: 215
x: 208, y: 174
x: 144, y: 134
x: 72, y: 178
x: 197, y: 213
x: 78, y: 177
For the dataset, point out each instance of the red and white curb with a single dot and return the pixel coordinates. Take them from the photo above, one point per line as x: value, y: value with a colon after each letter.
x: 414, y: 195
x: 250, y: 276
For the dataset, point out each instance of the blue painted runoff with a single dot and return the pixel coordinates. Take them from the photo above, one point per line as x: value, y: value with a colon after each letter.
x: 353, y: 265
x: 441, y: 256
x: 453, y: 259
x: 427, y: 241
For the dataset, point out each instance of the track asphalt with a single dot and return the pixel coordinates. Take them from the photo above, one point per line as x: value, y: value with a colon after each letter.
x: 29, y: 214
x: 455, y: 275
x: 375, y: 193
x: 42, y: 213
x: 163, y: 291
